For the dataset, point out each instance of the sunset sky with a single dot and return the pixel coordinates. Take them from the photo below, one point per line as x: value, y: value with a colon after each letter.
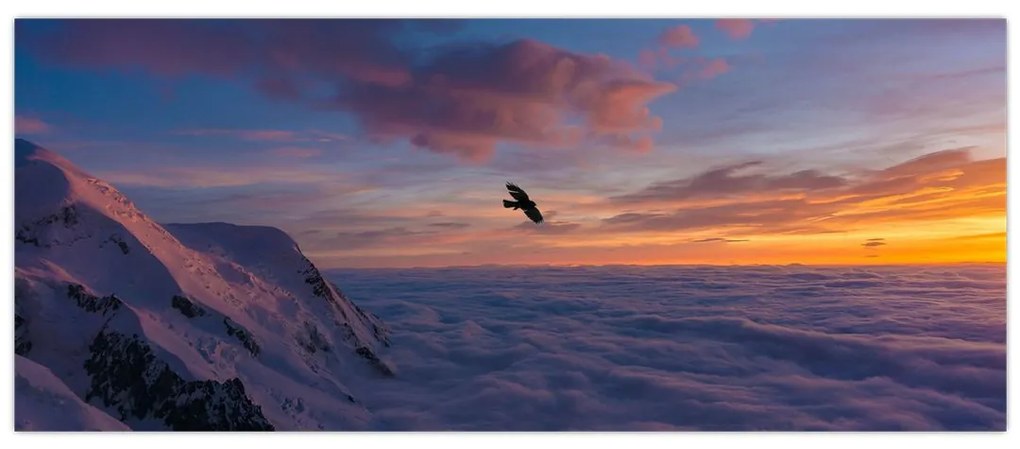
x: 386, y: 143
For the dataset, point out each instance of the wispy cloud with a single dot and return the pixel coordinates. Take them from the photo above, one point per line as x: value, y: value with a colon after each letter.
x: 733, y: 180
x: 736, y: 29
x: 941, y: 184
x: 450, y: 225
x: 268, y: 135
x: 29, y: 125
x: 713, y: 68
x: 296, y: 152
x: 193, y: 177
x: 548, y: 227
x: 679, y: 36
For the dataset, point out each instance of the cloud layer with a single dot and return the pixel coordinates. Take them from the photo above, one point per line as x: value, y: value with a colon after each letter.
x: 691, y: 348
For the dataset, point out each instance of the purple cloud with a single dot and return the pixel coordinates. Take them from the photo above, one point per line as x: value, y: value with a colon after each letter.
x: 736, y: 29
x: 31, y: 125
x: 679, y: 36
x: 728, y: 180
x: 809, y: 201
x: 459, y: 100
x: 469, y: 99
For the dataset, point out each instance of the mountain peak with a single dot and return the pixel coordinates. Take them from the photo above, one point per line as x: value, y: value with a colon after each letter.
x: 26, y: 151
x: 230, y: 317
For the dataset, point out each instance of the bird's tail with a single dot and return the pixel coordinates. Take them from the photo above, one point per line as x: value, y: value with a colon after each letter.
x: 508, y: 204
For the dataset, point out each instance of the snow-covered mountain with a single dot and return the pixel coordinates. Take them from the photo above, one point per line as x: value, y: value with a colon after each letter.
x: 125, y: 323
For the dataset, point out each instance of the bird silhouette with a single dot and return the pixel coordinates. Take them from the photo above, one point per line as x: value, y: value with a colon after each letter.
x: 522, y: 202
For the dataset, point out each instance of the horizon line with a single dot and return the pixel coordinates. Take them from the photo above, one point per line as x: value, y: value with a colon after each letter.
x: 792, y: 264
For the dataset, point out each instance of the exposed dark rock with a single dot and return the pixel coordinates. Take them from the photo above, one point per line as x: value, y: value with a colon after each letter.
x: 378, y: 331
x: 25, y: 235
x: 29, y: 233
x: 348, y: 331
x: 91, y: 303
x: 187, y: 308
x: 321, y: 289
x: 119, y: 241
x: 69, y: 216
x: 366, y: 353
x: 314, y: 278
x: 21, y: 342
x: 380, y: 334
x: 245, y: 337
x: 313, y: 341
x: 128, y: 377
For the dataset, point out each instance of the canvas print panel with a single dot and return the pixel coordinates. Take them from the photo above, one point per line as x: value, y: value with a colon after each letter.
x: 510, y: 225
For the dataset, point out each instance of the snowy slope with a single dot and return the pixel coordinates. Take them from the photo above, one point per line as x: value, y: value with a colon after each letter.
x: 204, y: 326
x: 44, y: 403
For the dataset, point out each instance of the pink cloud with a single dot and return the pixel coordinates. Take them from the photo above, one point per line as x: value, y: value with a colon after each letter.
x: 943, y: 184
x: 270, y: 135
x: 296, y: 152
x: 642, y: 144
x: 232, y: 176
x: 30, y: 125
x: 690, y: 67
x: 620, y: 106
x: 713, y: 68
x: 267, y: 135
x: 648, y: 58
x: 680, y: 36
x: 264, y: 135
x: 523, y: 92
x: 463, y: 100
x: 736, y: 29
x: 659, y: 59
x: 735, y: 180
x: 702, y: 69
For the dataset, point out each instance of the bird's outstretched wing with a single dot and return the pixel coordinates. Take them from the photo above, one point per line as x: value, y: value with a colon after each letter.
x: 516, y: 192
x: 533, y: 214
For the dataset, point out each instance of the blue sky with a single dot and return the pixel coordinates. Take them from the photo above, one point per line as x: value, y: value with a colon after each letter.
x: 386, y: 143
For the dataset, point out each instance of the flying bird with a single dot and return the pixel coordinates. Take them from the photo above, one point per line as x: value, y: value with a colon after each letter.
x: 522, y: 202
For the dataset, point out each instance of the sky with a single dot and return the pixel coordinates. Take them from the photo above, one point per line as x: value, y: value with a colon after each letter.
x: 386, y: 143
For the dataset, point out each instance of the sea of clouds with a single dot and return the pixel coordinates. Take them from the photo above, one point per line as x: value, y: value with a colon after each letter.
x: 690, y: 348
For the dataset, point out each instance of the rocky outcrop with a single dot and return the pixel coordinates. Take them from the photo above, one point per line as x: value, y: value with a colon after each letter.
x: 241, y: 334
x: 313, y: 341
x: 117, y: 240
x: 332, y: 295
x: 374, y: 360
x: 105, y: 305
x: 34, y: 233
x: 127, y: 377
x: 186, y: 307
x: 22, y: 344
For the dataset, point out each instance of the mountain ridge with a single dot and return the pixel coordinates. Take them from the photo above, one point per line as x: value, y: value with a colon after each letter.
x: 208, y: 326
